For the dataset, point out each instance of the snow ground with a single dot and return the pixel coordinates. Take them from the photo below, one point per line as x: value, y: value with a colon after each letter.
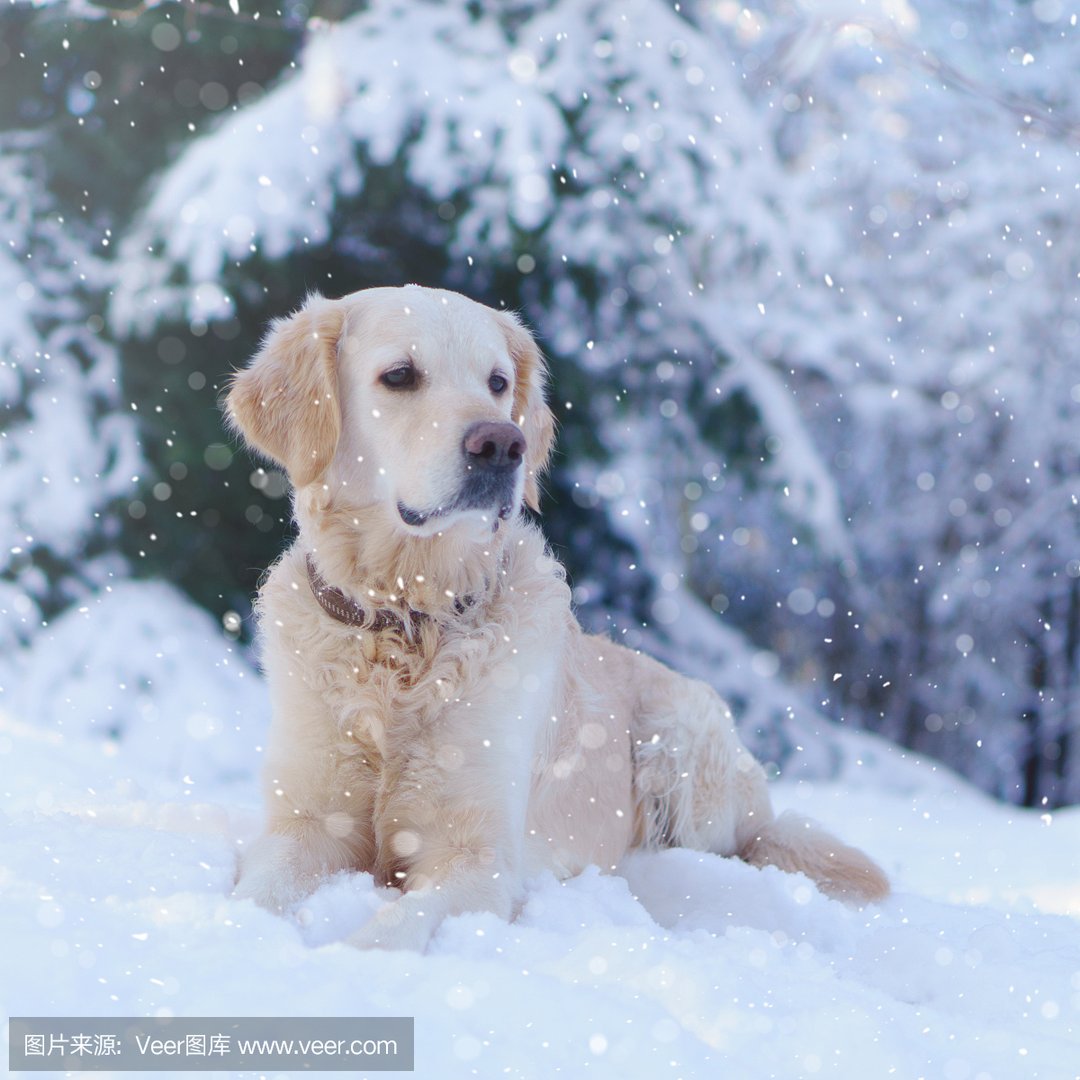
x: 116, y: 862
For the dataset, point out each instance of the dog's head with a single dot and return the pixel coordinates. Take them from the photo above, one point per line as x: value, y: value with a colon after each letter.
x: 416, y: 399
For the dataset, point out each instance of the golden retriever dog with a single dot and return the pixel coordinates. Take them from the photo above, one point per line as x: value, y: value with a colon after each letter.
x: 440, y: 719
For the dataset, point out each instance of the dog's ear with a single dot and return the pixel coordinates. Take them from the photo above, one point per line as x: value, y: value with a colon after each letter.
x: 285, y: 402
x: 531, y: 413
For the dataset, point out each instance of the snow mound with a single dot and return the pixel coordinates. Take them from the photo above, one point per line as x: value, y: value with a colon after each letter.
x: 114, y: 900
x: 142, y: 664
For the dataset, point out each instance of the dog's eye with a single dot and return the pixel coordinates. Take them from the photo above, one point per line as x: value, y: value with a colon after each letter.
x: 400, y: 378
x: 498, y: 383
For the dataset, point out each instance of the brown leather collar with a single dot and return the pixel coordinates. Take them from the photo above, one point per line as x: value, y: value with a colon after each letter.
x: 346, y: 610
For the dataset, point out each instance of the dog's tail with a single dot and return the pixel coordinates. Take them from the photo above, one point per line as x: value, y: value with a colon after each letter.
x: 796, y: 844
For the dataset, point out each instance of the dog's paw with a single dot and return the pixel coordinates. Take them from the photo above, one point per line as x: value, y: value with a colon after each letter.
x: 268, y: 875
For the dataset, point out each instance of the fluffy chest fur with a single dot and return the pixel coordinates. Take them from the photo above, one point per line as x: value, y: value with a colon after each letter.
x: 421, y: 715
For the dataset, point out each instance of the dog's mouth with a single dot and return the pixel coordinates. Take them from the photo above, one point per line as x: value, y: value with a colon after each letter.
x: 488, y: 492
x: 419, y: 518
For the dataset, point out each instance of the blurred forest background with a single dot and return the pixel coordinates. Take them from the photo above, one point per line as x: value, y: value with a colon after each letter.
x: 806, y: 272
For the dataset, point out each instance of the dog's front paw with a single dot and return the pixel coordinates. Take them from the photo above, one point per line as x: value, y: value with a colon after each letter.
x: 268, y: 875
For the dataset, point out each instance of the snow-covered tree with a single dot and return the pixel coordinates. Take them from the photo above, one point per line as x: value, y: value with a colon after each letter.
x: 805, y: 275
x: 67, y: 450
x: 565, y: 161
x: 946, y: 157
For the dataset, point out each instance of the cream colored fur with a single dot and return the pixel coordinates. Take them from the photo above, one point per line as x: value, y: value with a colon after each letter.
x: 458, y: 751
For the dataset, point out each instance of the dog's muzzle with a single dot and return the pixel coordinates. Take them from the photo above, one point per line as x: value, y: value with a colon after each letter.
x: 494, y: 452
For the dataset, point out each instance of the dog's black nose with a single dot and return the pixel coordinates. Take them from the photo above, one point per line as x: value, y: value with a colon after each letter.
x: 493, y: 444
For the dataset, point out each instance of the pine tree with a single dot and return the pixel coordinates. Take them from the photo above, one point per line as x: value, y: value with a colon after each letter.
x: 67, y: 451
